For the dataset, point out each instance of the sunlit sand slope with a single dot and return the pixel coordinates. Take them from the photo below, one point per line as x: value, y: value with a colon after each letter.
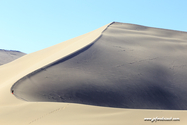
x: 128, y: 66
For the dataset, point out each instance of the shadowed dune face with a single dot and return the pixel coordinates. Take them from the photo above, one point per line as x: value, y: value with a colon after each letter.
x: 129, y: 66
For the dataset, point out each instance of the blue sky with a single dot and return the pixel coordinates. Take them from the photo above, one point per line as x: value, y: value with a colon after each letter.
x: 32, y: 25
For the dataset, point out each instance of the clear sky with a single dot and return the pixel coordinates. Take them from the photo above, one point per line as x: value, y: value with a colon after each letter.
x: 32, y: 25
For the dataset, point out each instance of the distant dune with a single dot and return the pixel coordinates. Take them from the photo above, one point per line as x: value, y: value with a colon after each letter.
x: 115, y: 75
x: 9, y: 55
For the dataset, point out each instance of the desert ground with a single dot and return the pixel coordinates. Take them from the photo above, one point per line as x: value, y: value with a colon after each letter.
x: 117, y: 74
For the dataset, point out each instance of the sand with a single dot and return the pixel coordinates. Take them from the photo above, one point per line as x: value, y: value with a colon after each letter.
x: 117, y: 74
x: 7, y: 56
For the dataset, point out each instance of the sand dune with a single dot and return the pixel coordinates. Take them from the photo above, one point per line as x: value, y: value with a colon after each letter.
x: 145, y: 70
x: 9, y: 55
x: 119, y: 71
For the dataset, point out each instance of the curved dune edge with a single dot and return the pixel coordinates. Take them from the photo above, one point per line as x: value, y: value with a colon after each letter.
x: 17, y: 69
x: 17, y: 112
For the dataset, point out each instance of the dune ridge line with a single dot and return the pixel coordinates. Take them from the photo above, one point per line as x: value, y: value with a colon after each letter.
x: 73, y: 45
